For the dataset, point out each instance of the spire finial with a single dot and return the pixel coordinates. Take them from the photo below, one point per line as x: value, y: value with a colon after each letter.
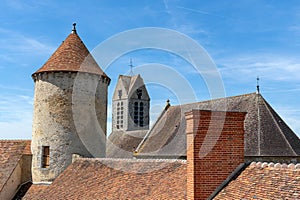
x: 74, y: 28
x: 167, y: 104
x: 257, y: 85
x: 131, y: 66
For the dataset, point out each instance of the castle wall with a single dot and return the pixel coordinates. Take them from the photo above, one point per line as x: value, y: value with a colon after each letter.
x: 70, y: 111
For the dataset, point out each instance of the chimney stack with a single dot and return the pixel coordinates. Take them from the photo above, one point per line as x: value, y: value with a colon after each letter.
x: 215, y: 148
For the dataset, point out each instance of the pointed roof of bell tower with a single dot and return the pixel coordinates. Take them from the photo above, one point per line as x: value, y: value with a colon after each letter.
x: 129, y: 84
x: 72, y: 56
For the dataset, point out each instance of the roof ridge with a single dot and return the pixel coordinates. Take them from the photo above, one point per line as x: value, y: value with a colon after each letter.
x: 14, y: 140
x: 124, y: 83
x: 141, y: 144
x: 133, y: 80
x: 132, y: 160
x: 218, y: 99
x: 277, y: 125
x: 128, y: 75
x: 272, y: 165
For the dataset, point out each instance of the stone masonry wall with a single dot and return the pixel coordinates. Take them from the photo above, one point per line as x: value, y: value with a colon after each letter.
x: 70, y: 111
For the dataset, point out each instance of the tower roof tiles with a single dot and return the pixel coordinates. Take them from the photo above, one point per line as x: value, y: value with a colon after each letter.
x: 72, y: 56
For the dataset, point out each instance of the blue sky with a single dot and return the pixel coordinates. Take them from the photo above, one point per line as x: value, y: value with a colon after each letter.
x: 245, y: 39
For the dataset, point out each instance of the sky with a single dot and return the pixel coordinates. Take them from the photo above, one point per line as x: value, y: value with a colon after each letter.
x: 245, y: 39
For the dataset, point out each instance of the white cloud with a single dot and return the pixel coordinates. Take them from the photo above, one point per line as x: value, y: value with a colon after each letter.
x: 25, y: 6
x: 291, y: 116
x: 16, y: 89
x: 280, y: 76
x: 15, y: 116
x: 271, y: 67
x: 17, y: 129
x: 198, y: 11
x: 16, y: 42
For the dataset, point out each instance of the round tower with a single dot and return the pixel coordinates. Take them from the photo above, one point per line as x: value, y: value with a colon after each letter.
x: 70, y: 109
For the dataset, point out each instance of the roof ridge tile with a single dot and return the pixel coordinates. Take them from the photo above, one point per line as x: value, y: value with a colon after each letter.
x: 132, y: 160
x: 271, y: 165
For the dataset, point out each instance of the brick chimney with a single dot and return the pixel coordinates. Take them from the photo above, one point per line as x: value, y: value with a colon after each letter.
x: 215, y: 148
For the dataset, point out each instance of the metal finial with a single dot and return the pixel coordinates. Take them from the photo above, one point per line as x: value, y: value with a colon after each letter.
x: 167, y: 104
x: 131, y: 66
x: 74, y: 28
x: 257, y: 85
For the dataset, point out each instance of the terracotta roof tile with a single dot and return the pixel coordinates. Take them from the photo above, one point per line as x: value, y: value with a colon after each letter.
x: 264, y: 181
x: 35, y: 190
x: 72, y: 56
x: 11, y: 152
x: 119, y: 179
x: 27, y: 149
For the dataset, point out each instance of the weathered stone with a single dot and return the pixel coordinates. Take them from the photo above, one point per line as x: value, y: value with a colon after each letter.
x: 70, y: 111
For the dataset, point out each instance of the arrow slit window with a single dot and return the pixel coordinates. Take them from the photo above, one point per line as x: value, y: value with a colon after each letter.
x: 45, y: 156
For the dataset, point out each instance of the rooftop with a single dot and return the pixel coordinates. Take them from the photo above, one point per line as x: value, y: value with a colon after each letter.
x: 72, y: 56
x: 118, y: 179
x: 264, y: 181
x: 266, y: 134
x: 11, y: 152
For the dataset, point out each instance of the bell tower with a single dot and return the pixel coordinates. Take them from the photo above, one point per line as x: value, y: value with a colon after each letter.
x: 131, y: 104
x: 70, y: 109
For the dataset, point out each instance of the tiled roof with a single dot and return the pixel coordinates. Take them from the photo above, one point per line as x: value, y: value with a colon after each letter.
x: 34, y: 190
x: 266, y: 134
x: 121, y: 144
x: 11, y: 152
x: 72, y: 56
x: 119, y: 179
x: 264, y: 181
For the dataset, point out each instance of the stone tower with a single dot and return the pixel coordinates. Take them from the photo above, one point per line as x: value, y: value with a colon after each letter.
x: 130, y: 106
x: 70, y: 109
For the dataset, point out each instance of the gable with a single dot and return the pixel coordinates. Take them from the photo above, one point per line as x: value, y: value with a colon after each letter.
x: 122, y: 85
x: 137, y: 83
x: 129, y: 85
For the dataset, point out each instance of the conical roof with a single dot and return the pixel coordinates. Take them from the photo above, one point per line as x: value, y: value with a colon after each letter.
x: 72, y: 56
